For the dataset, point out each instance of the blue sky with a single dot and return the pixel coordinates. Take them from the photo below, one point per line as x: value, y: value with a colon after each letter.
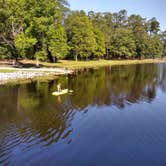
x: 146, y: 8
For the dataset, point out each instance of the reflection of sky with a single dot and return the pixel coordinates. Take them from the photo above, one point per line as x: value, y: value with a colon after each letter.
x: 67, y: 132
x: 146, y: 8
x: 160, y: 98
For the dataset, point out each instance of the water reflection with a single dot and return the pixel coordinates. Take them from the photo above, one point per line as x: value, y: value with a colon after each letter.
x: 118, y: 85
x: 31, y: 118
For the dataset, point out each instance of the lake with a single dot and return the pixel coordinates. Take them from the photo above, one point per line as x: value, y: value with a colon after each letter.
x: 115, y: 116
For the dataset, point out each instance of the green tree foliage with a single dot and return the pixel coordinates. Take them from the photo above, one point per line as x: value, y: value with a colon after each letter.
x: 120, y: 19
x: 12, y: 23
x: 24, y: 43
x: 57, y: 42
x: 81, y: 38
x: 154, y: 47
x: 27, y: 27
x: 137, y: 24
x: 47, y: 30
x: 123, y: 43
x: 103, y: 22
x: 4, y: 53
x: 46, y: 27
x: 154, y: 26
x: 163, y: 42
x: 100, y: 43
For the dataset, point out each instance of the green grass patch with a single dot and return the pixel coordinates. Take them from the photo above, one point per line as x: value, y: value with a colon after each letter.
x: 102, y: 63
x: 7, y: 70
x: 70, y: 64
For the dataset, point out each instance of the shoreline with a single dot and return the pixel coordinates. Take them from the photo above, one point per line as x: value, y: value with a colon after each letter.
x: 73, y: 65
x: 9, y: 74
x: 14, y: 75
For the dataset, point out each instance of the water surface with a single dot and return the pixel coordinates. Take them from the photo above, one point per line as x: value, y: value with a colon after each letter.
x: 116, y: 116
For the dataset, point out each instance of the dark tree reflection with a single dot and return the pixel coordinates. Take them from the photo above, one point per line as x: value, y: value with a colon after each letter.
x: 31, y: 116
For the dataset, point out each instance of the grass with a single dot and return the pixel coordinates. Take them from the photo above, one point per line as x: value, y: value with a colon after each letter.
x: 7, y: 70
x: 101, y: 63
x: 93, y: 63
x: 70, y: 64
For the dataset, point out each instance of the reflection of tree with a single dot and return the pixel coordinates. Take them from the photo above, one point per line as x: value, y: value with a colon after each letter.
x: 118, y: 85
x: 31, y: 116
x: 50, y: 120
x: 41, y: 121
x: 162, y: 78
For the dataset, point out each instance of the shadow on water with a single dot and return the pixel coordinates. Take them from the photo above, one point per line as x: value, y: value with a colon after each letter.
x: 31, y: 118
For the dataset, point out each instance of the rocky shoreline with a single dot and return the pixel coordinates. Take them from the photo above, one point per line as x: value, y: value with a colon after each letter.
x: 20, y: 74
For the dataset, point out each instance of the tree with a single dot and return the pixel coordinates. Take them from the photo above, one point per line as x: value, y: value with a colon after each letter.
x: 12, y: 23
x: 100, y: 43
x: 137, y: 24
x: 163, y: 41
x: 123, y: 44
x: 47, y: 30
x: 57, y: 42
x: 154, y: 47
x: 103, y: 22
x: 154, y: 26
x: 81, y: 38
x: 4, y: 53
x: 40, y: 55
x: 25, y: 25
x: 23, y: 43
x: 120, y: 18
x: 45, y: 24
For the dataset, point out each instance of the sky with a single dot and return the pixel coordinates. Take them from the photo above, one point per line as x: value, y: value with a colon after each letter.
x: 146, y: 8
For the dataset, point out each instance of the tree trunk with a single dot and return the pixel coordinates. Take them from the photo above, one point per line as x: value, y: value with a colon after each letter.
x: 37, y: 62
x: 76, y: 59
x: 14, y: 53
x: 106, y: 53
x: 55, y: 59
x: 49, y: 55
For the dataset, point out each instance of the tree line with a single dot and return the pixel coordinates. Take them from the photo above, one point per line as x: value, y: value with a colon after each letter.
x: 48, y: 30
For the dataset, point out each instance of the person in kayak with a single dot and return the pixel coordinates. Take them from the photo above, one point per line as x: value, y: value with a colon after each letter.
x: 59, y: 87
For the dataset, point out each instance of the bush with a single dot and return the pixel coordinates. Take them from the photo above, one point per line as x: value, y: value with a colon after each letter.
x: 4, y: 53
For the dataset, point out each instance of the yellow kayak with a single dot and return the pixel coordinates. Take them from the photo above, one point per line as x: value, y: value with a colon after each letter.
x: 62, y: 92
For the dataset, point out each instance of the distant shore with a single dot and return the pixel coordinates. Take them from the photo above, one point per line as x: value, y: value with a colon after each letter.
x: 72, y: 65
x: 8, y: 73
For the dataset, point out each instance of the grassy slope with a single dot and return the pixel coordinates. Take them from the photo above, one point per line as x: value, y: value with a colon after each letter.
x: 7, y: 70
x: 87, y: 64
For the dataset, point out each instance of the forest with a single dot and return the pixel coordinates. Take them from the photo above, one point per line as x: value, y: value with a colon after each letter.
x: 47, y: 30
